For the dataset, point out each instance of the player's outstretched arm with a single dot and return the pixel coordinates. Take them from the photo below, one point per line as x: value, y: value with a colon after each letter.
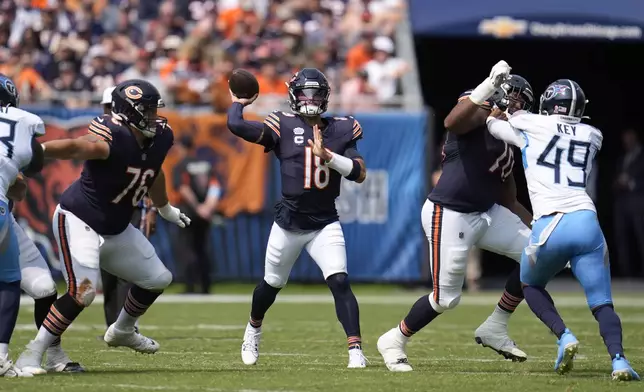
x: 37, y: 159
x: 85, y: 148
x: 251, y: 131
x: 472, y: 109
x: 503, y: 130
x: 159, y: 196
x: 509, y: 201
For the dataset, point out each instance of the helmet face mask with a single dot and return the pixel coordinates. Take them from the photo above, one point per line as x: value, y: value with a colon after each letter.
x: 308, y: 92
x: 517, y: 95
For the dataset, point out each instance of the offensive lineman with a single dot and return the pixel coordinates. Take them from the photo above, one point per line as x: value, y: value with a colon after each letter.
x: 315, y: 152
x: 19, y: 151
x: 474, y: 203
x: 123, y: 154
x: 558, y: 153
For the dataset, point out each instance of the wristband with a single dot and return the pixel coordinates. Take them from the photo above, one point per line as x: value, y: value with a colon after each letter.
x: 341, y: 164
x: 482, y: 92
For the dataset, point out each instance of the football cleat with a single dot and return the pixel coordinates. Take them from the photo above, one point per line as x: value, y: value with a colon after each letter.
x: 494, y: 335
x: 58, y: 362
x: 568, y: 347
x: 30, y: 360
x: 391, y: 346
x: 357, y: 359
x: 137, y: 342
x: 7, y: 369
x: 622, y: 370
x: 250, y: 345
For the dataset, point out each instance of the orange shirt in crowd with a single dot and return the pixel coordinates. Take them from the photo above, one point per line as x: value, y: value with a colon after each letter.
x: 275, y: 86
x: 168, y: 68
x: 25, y: 78
x: 357, y: 57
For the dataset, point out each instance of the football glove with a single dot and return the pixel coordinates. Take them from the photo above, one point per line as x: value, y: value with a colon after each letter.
x: 491, y: 84
x: 174, y: 215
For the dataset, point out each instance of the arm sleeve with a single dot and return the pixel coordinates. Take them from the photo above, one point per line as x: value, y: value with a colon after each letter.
x: 266, y: 134
x: 502, y: 130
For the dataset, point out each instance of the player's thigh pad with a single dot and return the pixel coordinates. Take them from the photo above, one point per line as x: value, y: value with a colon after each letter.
x: 282, y: 251
x: 328, y: 251
x: 9, y: 250
x: 130, y: 256
x: 78, y: 249
x: 506, y: 234
x: 451, y: 235
x: 36, y: 277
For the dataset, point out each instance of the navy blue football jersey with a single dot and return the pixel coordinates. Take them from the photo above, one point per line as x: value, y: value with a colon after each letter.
x: 474, y: 166
x: 309, y: 187
x: 108, y: 191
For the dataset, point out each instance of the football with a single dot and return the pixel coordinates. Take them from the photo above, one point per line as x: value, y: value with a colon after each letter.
x: 243, y: 84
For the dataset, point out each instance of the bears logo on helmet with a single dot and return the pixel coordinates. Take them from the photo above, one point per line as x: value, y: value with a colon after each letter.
x: 133, y: 92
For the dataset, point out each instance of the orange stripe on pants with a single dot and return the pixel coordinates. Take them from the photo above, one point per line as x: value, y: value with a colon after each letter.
x: 67, y: 256
x: 437, y: 223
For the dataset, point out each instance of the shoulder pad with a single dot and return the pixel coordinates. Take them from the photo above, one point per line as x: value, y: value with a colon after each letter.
x: 287, y: 114
x: 356, y: 129
x: 101, y: 127
x: 518, y: 119
x: 35, y: 124
x: 273, y: 121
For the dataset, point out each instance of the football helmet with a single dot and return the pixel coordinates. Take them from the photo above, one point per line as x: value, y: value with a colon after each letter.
x: 563, y: 97
x: 8, y: 92
x: 308, y: 92
x: 135, y: 102
x: 517, y: 94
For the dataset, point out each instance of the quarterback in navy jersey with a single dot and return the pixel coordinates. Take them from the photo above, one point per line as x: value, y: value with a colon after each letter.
x: 123, y: 154
x: 315, y: 152
x: 473, y: 204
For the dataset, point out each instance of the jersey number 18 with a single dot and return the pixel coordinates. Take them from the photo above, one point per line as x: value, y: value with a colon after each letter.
x: 314, y: 171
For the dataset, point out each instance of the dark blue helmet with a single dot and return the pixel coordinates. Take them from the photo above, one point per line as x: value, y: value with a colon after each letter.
x: 8, y: 92
x: 563, y: 97
x: 308, y: 92
x: 136, y: 102
x: 517, y: 94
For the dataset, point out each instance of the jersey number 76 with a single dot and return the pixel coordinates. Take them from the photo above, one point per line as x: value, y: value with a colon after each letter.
x: 556, y: 163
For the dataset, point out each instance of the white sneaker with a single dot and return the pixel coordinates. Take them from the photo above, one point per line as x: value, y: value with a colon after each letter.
x: 57, y: 361
x: 7, y: 369
x: 250, y: 345
x: 494, y: 335
x: 137, y: 342
x: 357, y: 359
x: 30, y: 360
x: 391, y: 346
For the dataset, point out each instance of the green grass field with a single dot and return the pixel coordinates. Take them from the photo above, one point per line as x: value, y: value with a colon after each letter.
x: 303, y: 348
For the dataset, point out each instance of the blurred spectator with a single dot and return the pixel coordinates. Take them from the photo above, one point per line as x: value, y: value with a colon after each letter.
x: 356, y: 94
x: 27, y: 80
x: 192, y: 79
x: 142, y: 69
x: 69, y: 84
x: 360, y: 54
x: 100, y: 71
x: 200, y: 192
x: 629, y: 206
x: 384, y: 70
x: 270, y: 82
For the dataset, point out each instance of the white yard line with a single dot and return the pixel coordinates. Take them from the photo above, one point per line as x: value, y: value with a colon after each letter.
x: 565, y: 301
x: 148, y: 387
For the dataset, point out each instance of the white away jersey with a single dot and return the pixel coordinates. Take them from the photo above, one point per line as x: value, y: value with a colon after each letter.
x: 17, y: 128
x: 558, y: 154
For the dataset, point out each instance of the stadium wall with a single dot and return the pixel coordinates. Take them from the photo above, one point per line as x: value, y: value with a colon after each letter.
x: 380, y: 217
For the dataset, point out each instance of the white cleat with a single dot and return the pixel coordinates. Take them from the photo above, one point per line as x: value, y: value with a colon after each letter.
x: 7, y: 369
x: 250, y: 345
x: 137, y: 342
x: 391, y: 346
x: 494, y: 335
x: 30, y: 361
x: 357, y: 359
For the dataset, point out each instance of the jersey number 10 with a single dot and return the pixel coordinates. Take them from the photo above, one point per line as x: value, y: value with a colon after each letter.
x: 556, y: 164
x: 314, y: 170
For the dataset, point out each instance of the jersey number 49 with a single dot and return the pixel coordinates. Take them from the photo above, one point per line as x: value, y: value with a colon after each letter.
x: 573, y: 147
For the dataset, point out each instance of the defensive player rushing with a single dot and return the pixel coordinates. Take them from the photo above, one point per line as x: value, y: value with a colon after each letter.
x: 558, y: 152
x: 123, y: 154
x: 474, y: 203
x: 19, y: 151
x: 315, y: 152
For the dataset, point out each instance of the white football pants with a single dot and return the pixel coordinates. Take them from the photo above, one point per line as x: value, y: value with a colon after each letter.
x: 452, y: 234
x: 36, y: 276
x: 128, y: 255
x: 325, y: 246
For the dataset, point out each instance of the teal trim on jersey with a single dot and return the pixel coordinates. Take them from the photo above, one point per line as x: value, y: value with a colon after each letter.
x: 527, y: 143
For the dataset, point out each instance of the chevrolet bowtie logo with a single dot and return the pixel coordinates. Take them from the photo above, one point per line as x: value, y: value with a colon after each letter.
x: 503, y: 27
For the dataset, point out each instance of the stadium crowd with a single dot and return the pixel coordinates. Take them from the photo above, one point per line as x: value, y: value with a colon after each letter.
x: 66, y: 52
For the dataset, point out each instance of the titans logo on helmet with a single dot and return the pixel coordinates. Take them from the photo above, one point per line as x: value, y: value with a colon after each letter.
x: 554, y: 90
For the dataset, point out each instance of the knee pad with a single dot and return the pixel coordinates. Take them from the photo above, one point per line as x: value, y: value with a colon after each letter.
x: 160, y: 283
x: 274, y: 281
x: 85, y: 293
x: 40, y: 287
x: 338, y: 283
x: 445, y: 301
